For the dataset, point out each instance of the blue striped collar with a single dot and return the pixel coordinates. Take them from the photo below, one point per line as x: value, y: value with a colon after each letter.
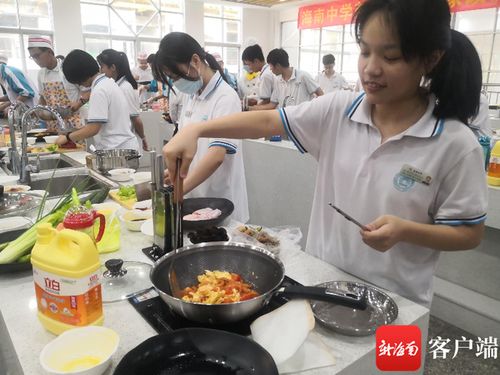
x: 212, y: 85
x: 427, y: 126
x: 101, y: 77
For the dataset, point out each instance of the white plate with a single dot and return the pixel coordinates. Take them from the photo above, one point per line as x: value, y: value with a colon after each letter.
x: 147, y: 228
x: 14, y: 222
x: 143, y: 205
x: 141, y: 177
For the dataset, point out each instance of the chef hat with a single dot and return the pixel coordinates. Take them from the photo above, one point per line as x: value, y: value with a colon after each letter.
x: 217, y: 56
x: 142, y: 56
x: 3, y: 59
x: 39, y: 41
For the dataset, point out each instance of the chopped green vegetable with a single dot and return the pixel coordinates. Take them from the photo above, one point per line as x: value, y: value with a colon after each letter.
x: 126, y: 192
x: 52, y: 148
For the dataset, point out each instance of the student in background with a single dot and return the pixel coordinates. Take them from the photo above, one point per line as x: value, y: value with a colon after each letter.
x: 218, y: 169
x: 231, y: 80
x: 398, y: 157
x: 254, y: 62
x: 108, y: 117
x: 115, y: 65
x: 143, y: 75
x: 55, y: 90
x: 329, y: 80
x: 17, y: 85
x: 292, y: 86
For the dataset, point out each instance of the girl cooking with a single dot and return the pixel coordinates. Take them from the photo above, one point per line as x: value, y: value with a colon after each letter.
x: 398, y: 157
x: 115, y: 65
x: 218, y: 168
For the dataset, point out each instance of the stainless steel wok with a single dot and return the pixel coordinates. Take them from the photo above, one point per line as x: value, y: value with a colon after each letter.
x: 255, y: 265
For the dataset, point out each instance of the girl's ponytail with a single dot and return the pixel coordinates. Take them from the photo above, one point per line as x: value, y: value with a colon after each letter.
x: 214, y: 65
x: 457, y: 80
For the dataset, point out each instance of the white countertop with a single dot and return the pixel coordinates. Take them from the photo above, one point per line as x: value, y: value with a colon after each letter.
x: 18, y: 307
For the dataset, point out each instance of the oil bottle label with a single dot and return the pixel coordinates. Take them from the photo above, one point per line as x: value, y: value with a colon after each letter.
x: 71, y: 301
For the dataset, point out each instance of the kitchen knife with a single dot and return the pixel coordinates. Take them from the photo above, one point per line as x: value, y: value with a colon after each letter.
x: 143, y: 191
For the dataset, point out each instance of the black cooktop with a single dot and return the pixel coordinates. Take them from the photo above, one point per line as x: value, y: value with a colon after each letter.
x: 163, y: 319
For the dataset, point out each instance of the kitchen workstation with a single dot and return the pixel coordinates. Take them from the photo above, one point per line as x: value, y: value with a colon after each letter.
x: 249, y: 187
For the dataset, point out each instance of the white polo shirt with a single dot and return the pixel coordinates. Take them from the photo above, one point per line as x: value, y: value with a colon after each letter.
x: 266, y: 82
x: 131, y: 95
x: 367, y: 179
x: 57, y: 75
x: 228, y: 181
x: 108, y: 107
x: 332, y: 83
x: 298, y: 89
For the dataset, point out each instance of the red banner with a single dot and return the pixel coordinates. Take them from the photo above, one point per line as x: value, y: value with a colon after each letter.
x: 340, y: 12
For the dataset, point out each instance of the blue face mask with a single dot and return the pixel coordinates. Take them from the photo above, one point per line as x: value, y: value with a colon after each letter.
x: 247, y: 69
x: 187, y: 86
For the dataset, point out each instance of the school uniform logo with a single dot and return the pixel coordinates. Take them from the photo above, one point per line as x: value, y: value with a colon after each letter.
x: 408, y: 175
x: 402, y: 182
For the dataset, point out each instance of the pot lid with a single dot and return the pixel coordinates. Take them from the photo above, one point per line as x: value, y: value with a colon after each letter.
x: 17, y: 203
x: 121, y: 280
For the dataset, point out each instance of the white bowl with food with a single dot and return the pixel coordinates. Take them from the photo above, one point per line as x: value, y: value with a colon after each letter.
x: 82, y: 351
x: 16, y: 188
x: 134, y: 219
x: 31, y: 140
x: 121, y: 174
x: 50, y: 139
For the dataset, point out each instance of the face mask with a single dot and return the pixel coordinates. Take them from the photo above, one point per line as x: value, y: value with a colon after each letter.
x: 247, y: 69
x: 189, y: 87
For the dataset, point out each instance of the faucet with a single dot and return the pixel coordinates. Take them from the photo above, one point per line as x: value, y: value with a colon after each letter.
x: 14, y: 115
x: 25, y: 169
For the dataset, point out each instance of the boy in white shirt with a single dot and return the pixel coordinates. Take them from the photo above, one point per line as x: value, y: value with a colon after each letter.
x: 292, y: 86
x: 329, y: 80
x: 108, y: 118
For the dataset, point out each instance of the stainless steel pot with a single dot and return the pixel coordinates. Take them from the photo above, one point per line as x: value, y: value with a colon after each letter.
x: 255, y: 265
x: 119, y: 158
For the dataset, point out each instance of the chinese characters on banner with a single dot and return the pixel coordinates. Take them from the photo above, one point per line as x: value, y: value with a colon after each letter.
x: 340, y: 12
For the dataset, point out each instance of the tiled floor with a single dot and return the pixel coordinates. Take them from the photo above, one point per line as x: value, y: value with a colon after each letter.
x: 466, y: 362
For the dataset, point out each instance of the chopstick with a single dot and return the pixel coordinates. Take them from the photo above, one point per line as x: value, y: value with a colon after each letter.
x: 349, y: 217
x: 178, y: 199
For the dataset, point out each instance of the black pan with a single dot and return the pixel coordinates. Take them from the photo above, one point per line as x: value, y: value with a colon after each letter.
x: 14, y: 267
x: 190, y: 205
x: 198, y: 351
x: 255, y: 265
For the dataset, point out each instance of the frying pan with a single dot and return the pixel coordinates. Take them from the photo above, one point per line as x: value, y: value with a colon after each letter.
x: 255, y: 265
x: 198, y: 351
x: 193, y: 204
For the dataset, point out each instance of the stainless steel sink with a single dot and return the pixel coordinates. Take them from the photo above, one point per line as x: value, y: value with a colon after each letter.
x: 61, y: 181
x: 56, y: 161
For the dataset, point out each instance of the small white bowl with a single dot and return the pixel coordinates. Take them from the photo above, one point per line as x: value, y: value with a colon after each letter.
x: 16, y: 188
x: 143, y: 205
x: 121, y: 174
x: 82, y: 351
x: 31, y: 140
x: 147, y: 228
x: 50, y: 139
x: 134, y: 219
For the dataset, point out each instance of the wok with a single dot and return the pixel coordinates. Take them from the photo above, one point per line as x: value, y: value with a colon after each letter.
x: 198, y: 351
x: 255, y: 265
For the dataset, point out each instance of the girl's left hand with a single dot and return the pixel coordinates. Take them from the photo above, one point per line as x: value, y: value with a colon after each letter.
x: 385, y: 232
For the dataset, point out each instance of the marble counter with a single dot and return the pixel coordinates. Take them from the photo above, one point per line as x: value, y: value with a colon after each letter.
x: 354, y: 355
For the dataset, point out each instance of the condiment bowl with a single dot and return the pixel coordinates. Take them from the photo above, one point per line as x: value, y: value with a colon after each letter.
x: 80, y: 351
x: 133, y: 219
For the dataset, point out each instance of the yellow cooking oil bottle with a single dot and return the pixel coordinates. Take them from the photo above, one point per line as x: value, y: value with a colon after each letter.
x: 65, y: 272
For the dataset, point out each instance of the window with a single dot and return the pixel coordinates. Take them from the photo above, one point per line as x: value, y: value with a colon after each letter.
x: 307, y: 47
x: 131, y: 26
x: 19, y: 19
x: 222, y: 25
x: 483, y: 29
